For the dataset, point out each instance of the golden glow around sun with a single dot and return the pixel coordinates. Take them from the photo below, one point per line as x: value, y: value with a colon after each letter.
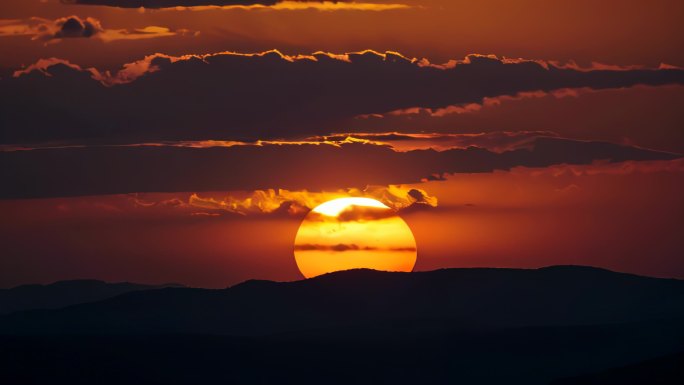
x: 353, y: 233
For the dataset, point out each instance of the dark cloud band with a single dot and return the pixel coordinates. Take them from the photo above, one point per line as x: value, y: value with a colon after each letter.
x: 268, y: 95
x: 111, y: 170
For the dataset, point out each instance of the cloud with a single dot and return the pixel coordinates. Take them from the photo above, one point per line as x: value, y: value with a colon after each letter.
x: 51, y: 31
x: 348, y: 247
x: 604, y: 168
x: 203, y: 5
x: 48, y: 30
x: 256, y: 204
x: 355, y: 214
x: 44, y: 65
x: 234, y: 96
x: 486, y: 102
x: 618, y: 115
x: 401, y: 142
x: 93, y: 170
x: 493, y: 141
x: 153, y: 4
x: 288, y: 202
x: 75, y: 27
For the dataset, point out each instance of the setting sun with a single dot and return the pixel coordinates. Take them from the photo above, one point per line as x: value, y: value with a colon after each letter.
x: 353, y: 233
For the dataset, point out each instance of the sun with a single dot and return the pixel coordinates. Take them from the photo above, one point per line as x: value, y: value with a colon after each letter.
x: 353, y: 233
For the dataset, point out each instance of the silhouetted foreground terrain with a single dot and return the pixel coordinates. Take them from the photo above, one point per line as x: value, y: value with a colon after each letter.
x: 65, y: 293
x: 663, y: 370
x: 471, y: 326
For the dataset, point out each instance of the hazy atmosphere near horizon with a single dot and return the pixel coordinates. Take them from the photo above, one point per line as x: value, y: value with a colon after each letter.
x: 523, y: 160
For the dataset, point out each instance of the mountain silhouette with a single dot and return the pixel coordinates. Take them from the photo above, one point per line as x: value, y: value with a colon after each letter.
x: 469, y: 326
x: 662, y: 370
x: 454, y: 298
x: 65, y: 293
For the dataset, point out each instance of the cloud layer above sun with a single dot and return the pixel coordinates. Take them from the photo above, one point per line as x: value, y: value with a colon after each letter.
x: 271, y: 95
x: 90, y: 170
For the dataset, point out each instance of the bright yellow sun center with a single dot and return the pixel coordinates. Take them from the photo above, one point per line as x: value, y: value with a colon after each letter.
x: 353, y: 233
x: 334, y: 207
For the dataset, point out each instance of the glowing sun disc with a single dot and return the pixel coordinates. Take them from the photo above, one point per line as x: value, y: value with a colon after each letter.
x: 353, y: 233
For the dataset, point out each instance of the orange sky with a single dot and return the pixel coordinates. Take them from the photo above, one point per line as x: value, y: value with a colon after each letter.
x: 613, y: 32
x: 626, y: 217
x: 220, y: 154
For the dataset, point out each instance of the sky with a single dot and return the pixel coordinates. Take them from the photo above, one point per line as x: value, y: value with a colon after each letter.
x: 159, y: 141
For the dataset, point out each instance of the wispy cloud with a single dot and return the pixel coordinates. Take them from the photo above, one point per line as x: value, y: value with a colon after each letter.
x: 486, y: 102
x: 95, y: 170
x: 248, y: 5
x: 290, y: 202
x: 52, y: 31
x: 342, y: 247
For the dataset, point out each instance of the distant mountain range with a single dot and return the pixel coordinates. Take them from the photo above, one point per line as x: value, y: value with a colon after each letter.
x: 453, y: 298
x: 65, y: 293
x: 469, y: 326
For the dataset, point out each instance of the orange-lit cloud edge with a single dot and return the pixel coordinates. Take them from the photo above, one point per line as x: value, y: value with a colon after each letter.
x: 401, y: 198
x: 256, y: 204
x: 495, y: 141
x: 281, y: 201
x: 323, y: 6
x: 285, y: 5
x: 487, y: 102
x: 498, y: 142
x: 134, y: 70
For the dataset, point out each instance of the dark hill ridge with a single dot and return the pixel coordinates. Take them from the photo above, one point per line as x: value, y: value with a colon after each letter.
x: 457, y: 299
x: 65, y: 293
